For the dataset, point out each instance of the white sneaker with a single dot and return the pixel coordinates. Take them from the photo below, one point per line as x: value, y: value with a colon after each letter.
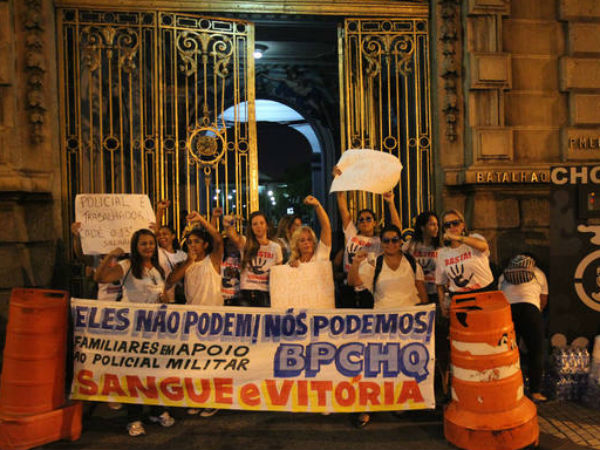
x: 164, y: 419
x: 208, y: 412
x: 135, y: 428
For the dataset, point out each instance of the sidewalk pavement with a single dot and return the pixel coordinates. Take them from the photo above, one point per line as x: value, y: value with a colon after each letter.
x: 562, y: 426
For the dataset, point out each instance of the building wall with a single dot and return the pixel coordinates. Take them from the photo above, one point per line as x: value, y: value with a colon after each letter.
x: 530, y: 78
x: 30, y: 224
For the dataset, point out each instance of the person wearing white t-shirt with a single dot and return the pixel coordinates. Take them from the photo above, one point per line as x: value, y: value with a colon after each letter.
x: 463, y: 264
x: 201, y: 271
x: 527, y: 293
x: 304, y: 246
x: 360, y: 237
x: 259, y: 254
x: 143, y: 282
x: 397, y: 285
x: 169, y: 255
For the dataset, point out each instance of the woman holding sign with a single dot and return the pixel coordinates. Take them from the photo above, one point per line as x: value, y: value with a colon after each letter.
x: 304, y: 246
x: 360, y: 237
x: 143, y: 282
x: 259, y: 254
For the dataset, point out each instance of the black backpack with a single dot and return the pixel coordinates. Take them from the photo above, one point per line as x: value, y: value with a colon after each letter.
x: 366, y: 299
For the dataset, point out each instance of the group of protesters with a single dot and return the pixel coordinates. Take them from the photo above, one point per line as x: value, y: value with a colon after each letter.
x: 378, y: 270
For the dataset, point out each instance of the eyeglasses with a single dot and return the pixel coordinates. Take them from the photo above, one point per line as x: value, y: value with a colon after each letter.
x: 452, y: 223
x: 365, y: 219
x: 393, y: 240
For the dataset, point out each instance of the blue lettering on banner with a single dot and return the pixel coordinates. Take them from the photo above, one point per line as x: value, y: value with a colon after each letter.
x: 352, y: 359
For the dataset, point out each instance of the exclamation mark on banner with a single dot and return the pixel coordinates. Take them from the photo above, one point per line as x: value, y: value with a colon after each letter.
x: 256, y: 328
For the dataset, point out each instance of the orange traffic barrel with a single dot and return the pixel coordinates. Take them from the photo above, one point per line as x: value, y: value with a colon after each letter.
x: 25, y: 432
x: 33, y: 371
x: 488, y: 409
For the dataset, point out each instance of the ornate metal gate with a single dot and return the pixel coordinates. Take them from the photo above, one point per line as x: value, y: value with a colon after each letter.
x: 142, y: 101
x: 385, y: 104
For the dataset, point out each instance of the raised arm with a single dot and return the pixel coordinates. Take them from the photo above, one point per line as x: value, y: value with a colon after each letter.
x: 216, y: 214
x: 161, y: 208
x: 342, y: 202
x: 106, y: 274
x: 77, y: 248
x: 232, y: 233
x: 323, y: 219
x: 216, y: 255
x: 389, y: 200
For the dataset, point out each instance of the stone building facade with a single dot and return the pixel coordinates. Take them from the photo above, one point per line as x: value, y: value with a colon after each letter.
x: 516, y: 91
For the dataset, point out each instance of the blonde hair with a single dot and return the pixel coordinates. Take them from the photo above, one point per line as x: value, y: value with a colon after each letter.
x: 295, y: 252
x: 458, y: 214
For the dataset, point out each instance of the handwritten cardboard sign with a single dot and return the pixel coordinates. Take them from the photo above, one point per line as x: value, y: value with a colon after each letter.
x: 367, y: 170
x: 288, y: 286
x: 109, y: 220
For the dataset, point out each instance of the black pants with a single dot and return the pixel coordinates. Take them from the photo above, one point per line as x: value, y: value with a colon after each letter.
x: 530, y: 326
x: 351, y: 298
x: 255, y: 298
x: 135, y: 412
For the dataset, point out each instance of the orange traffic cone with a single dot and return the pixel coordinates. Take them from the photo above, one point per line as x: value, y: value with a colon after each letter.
x: 488, y: 410
x: 32, y: 384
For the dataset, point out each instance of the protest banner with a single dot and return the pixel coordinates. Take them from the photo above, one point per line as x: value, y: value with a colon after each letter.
x: 367, y: 170
x: 254, y: 358
x: 109, y: 220
x: 310, y: 285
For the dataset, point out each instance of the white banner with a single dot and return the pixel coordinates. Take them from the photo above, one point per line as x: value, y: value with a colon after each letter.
x: 309, y: 285
x: 254, y: 358
x: 109, y: 220
x: 367, y: 170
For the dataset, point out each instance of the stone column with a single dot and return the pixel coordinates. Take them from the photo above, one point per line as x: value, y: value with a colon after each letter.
x: 30, y: 174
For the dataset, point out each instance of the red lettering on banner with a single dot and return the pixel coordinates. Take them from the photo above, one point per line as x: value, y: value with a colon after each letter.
x: 321, y: 387
x: 111, y: 384
x: 410, y: 391
x: 303, y: 393
x: 86, y: 385
x: 134, y: 383
x: 199, y: 398
x: 223, y: 390
x: 172, y: 389
x: 279, y: 397
x: 250, y: 395
x: 388, y: 393
x: 368, y: 392
x: 347, y: 398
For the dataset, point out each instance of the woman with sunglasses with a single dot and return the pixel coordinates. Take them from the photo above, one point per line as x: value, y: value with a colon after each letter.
x: 463, y: 264
x: 399, y: 283
x: 143, y: 282
x: 360, y: 237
